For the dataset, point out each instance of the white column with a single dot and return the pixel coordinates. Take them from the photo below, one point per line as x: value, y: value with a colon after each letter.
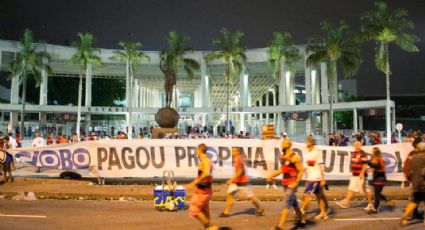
x: 43, y: 98
x: 355, y: 121
x: 308, y: 95
x: 205, y: 90
x: 282, y: 96
x: 361, y: 123
x: 243, y: 100
x: 88, y: 95
x: 14, y: 99
x: 325, y: 96
x: 275, y: 117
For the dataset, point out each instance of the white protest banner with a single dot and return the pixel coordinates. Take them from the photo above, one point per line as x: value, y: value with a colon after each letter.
x: 149, y: 158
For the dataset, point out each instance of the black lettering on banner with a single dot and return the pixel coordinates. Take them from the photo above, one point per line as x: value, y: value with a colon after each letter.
x: 329, y: 168
x: 221, y: 156
x: 125, y: 156
x: 399, y: 161
x: 342, y: 155
x: 248, y: 158
x: 277, y: 156
x: 138, y: 158
x: 191, y: 155
x: 180, y: 155
x: 299, y: 152
x: 102, y: 156
x: 259, y: 159
x: 162, y: 161
x: 114, y: 160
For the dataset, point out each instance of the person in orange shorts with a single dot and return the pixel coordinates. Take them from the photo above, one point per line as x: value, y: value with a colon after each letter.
x: 239, y: 182
x: 199, y: 204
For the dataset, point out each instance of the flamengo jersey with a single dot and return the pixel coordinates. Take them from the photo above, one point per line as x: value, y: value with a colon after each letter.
x: 358, y: 160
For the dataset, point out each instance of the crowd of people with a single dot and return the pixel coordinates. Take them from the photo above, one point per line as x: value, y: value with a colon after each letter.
x: 294, y: 171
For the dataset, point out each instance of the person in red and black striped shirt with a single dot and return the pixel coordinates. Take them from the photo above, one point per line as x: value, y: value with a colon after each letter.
x: 357, y: 183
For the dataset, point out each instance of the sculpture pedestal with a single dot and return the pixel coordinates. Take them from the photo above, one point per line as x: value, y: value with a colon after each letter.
x: 161, y: 133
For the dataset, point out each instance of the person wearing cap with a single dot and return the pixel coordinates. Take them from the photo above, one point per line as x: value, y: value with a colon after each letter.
x: 292, y: 170
x: 417, y: 177
x: 199, y: 206
x: 239, y: 182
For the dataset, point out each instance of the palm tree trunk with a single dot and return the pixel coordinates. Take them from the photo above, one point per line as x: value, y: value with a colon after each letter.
x: 227, y: 98
x: 331, y: 98
x: 24, y: 95
x: 130, y: 125
x: 80, y: 89
x: 387, y: 107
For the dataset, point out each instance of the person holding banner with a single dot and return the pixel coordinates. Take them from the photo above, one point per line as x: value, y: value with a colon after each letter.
x: 199, y: 204
x: 315, y: 179
x: 359, y: 177
x: 239, y: 182
x: 292, y: 170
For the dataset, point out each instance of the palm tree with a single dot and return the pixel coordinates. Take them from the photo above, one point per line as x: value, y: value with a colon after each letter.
x: 171, y: 58
x: 281, y: 48
x: 29, y: 61
x: 85, y: 54
x: 131, y: 56
x: 231, y: 51
x: 385, y: 26
x: 337, y: 48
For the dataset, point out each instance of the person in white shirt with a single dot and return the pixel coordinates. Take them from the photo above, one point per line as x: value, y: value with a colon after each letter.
x: 12, y: 141
x: 38, y: 140
x: 315, y: 178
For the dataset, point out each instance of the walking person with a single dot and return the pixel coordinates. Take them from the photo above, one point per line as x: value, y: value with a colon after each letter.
x: 239, y: 182
x: 359, y: 177
x: 292, y: 170
x: 377, y: 165
x: 9, y: 163
x: 407, y: 173
x: 315, y: 179
x: 199, y: 204
x: 417, y: 177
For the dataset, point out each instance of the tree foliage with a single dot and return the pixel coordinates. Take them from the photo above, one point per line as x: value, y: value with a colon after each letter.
x: 384, y: 25
x: 282, y: 48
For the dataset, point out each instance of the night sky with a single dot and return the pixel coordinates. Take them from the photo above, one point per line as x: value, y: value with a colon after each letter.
x: 58, y: 21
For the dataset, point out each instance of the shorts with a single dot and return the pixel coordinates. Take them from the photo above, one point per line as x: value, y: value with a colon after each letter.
x: 358, y: 185
x: 418, y: 197
x: 290, y: 198
x: 313, y: 187
x: 200, y: 203
x: 234, y: 189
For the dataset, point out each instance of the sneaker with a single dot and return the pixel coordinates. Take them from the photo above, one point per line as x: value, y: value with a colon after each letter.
x: 224, y: 215
x: 259, y: 212
x: 267, y: 186
x: 275, y: 187
x: 321, y: 216
x: 342, y: 204
x: 369, y: 207
x: 372, y: 211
